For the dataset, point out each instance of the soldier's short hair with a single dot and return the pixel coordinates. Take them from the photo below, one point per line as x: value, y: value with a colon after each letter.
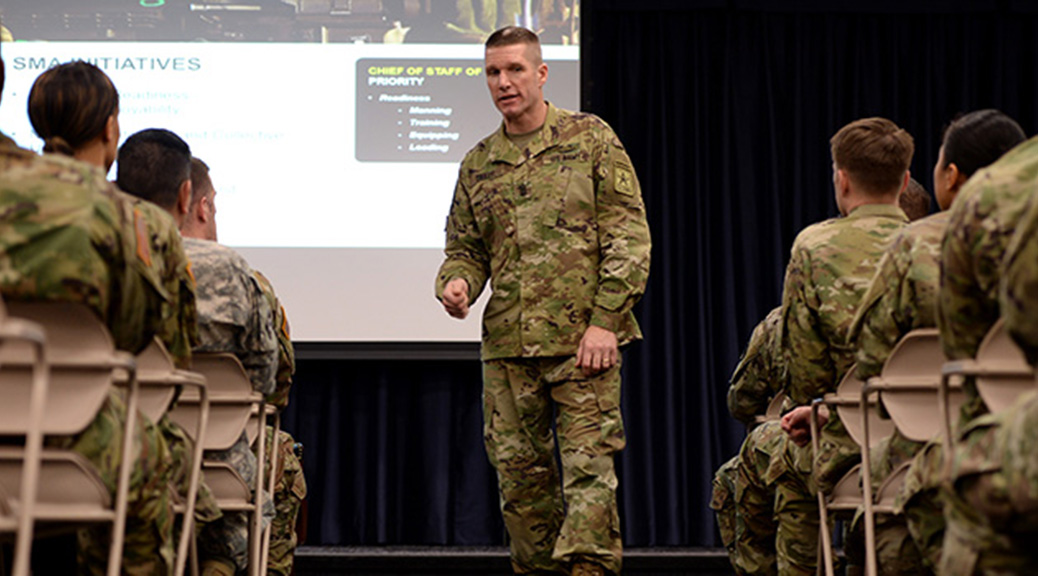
x: 153, y: 163
x: 914, y: 201
x: 875, y: 152
x: 201, y: 183
x: 974, y: 140
x: 69, y: 105
x: 512, y: 35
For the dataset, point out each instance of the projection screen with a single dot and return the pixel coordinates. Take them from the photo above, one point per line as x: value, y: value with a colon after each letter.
x: 333, y: 129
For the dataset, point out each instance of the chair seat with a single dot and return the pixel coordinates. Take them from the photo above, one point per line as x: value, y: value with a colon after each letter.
x: 846, y: 495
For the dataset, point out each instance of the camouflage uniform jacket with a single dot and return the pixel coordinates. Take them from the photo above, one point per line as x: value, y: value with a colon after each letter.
x: 558, y: 228
x: 67, y: 234
x: 829, y: 270
x: 983, y: 219
x: 902, y: 295
x: 233, y: 315
x: 1019, y: 294
x: 286, y: 353
x: 758, y: 375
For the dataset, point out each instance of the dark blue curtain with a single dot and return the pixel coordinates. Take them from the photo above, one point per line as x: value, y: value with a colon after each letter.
x: 726, y: 108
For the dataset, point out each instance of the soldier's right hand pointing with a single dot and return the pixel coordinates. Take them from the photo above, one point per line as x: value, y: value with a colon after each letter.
x: 456, y: 298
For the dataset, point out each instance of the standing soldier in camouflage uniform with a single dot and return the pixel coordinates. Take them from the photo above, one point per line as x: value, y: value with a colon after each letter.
x: 984, y: 530
x: 903, y: 297
x: 233, y: 316
x: 69, y: 235
x: 290, y: 486
x: 830, y: 267
x: 549, y: 210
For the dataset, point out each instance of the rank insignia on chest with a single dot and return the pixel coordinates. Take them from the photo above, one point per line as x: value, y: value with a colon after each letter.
x: 623, y: 179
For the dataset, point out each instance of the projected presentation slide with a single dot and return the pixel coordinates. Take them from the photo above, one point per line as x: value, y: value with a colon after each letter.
x: 333, y: 128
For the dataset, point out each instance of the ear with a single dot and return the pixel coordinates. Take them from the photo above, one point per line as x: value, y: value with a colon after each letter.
x: 955, y: 177
x: 542, y: 74
x: 184, y: 198
x: 111, y: 132
x: 201, y: 214
x: 843, y: 182
x: 905, y: 181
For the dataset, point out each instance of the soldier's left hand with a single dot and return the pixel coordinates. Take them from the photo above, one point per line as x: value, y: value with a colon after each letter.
x: 598, y: 350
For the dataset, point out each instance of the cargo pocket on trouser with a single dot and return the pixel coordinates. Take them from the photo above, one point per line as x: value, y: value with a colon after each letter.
x: 722, y: 501
x: 606, y: 387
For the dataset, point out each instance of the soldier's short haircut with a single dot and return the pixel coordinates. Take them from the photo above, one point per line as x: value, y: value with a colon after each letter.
x: 512, y: 35
x: 914, y: 201
x: 974, y: 140
x: 69, y: 106
x: 201, y: 183
x: 153, y: 163
x: 875, y: 152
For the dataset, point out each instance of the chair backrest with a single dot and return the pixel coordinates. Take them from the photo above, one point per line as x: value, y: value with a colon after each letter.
x: 912, y: 374
x: 230, y: 400
x: 79, y: 348
x: 154, y: 364
x: 850, y: 411
x: 1003, y: 371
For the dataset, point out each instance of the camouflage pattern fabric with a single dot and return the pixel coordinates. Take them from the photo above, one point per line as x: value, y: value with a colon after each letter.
x: 756, y: 527
x: 559, y: 229
x: 722, y: 502
x: 286, y: 352
x: 759, y: 375
x: 1019, y: 287
x: 796, y: 509
x: 67, y: 234
x: 517, y: 399
x: 991, y: 510
x: 289, y: 493
x: 233, y: 314
x: 831, y: 266
x: 234, y: 317
x: 983, y: 218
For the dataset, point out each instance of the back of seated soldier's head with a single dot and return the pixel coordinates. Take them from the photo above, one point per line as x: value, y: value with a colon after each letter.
x: 875, y: 153
x: 914, y: 201
x: 73, y: 104
x: 155, y: 164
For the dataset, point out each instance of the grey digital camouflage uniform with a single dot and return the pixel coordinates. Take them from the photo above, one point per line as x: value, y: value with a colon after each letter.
x: 983, y: 219
x: 558, y: 228
x: 902, y: 297
x: 830, y: 268
x: 66, y: 234
x: 234, y: 317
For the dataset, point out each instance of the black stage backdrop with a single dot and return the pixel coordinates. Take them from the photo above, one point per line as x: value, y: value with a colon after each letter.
x: 726, y: 109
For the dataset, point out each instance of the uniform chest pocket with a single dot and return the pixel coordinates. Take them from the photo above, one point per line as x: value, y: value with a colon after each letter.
x: 577, y: 208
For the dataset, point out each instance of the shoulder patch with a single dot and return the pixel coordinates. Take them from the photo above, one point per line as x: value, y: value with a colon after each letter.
x: 623, y: 178
x: 143, y: 239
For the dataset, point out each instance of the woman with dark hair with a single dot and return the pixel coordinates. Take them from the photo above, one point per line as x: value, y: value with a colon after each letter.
x: 902, y: 298
x: 74, y: 109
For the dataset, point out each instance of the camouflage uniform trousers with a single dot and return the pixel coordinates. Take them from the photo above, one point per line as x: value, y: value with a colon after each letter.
x: 753, y: 499
x: 796, y: 509
x: 181, y: 447
x: 722, y: 502
x: 551, y: 529
x: 289, y: 492
x: 148, y: 548
x: 227, y: 539
x: 990, y: 511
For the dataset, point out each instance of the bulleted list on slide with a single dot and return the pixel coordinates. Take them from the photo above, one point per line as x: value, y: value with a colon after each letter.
x: 426, y: 110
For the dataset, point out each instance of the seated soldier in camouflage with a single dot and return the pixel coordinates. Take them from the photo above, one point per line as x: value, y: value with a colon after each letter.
x: 829, y: 269
x: 290, y: 486
x: 233, y: 316
x: 901, y: 298
x: 992, y: 509
x: 69, y: 235
x: 742, y: 497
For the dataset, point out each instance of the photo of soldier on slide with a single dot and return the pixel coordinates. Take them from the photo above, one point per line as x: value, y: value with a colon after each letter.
x: 325, y: 21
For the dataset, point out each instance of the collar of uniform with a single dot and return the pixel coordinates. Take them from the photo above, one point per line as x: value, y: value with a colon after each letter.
x: 887, y: 210
x: 503, y: 150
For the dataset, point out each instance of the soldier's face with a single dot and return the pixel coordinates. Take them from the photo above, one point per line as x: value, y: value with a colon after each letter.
x: 515, y: 79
